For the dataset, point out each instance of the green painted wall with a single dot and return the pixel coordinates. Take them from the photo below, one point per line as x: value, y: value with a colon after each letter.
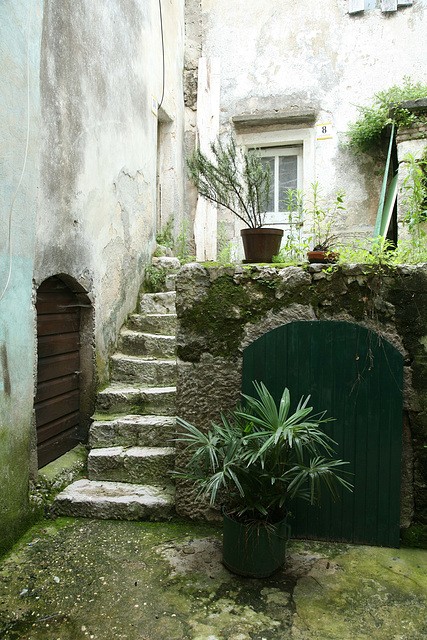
x: 16, y: 314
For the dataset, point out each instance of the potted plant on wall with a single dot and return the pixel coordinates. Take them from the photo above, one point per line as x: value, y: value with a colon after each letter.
x: 241, y: 185
x: 323, y: 221
x: 258, y: 458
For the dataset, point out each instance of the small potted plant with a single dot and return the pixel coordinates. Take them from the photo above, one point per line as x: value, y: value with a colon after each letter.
x: 252, y: 463
x: 241, y: 184
x: 323, y: 221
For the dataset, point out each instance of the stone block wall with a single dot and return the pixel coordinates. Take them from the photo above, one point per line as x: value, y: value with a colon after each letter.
x: 411, y: 141
x: 221, y: 310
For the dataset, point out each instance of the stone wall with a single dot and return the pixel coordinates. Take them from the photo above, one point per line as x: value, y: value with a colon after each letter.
x: 102, y: 147
x: 221, y: 310
x: 77, y: 84
x: 411, y: 142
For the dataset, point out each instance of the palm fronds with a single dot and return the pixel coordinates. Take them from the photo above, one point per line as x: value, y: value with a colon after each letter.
x: 261, y: 454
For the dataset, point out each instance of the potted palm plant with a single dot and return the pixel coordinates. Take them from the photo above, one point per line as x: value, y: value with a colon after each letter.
x: 241, y: 185
x: 258, y: 458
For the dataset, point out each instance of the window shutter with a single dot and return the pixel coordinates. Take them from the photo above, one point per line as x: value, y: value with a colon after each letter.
x: 354, y: 6
x: 389, y: 5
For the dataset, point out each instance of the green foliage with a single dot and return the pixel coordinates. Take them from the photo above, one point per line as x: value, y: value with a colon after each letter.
x: 381, y: 252
x: 323, y: 219
x: 240, y: 184
x: 295, y: 247
x: 165, y: 236
x: 260, y: 456
x: 226, y: 249
x: 365, y: 134
x: 370, y: 251
x: 415, y: 193
x: 154, y: 279
x: 415, y: 536
x: 182, y: 245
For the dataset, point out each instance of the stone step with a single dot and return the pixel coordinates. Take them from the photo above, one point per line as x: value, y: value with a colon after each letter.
x: 142, y: 371
x: 138, y: 465
x: 170, y: 283
x: 146, y: 344
x: 159, y: 401
x: 115, y: 501
x: 163, y: 302
x: 170, y: 264
x: 161, y: 323
x: 133, y: 431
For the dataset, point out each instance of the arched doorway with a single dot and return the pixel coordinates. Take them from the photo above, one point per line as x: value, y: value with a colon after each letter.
x: 58, y: 398
x: 357, y: 377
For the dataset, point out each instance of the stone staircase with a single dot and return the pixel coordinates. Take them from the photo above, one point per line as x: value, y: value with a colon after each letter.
x: 131, y: 439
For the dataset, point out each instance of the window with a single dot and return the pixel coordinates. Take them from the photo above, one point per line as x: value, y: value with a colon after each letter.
x: 290, y: 154
x: 285, y: 164
x: 356, y: 6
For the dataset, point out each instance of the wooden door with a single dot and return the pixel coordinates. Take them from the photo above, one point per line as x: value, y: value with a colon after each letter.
x: 357, y: 377
x: 58, y: 398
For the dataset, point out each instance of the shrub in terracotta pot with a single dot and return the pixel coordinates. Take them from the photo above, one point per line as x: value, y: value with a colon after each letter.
x: 240, y: 183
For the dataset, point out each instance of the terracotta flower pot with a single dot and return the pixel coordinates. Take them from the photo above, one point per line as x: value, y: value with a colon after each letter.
x: 322, y: 257
x: 261, y: 244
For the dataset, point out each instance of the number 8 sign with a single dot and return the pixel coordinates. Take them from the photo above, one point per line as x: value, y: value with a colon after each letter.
x: 324, y: 131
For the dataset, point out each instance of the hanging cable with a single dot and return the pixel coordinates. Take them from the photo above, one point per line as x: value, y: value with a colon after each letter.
x: 163, y: 54
x: 25, y: 156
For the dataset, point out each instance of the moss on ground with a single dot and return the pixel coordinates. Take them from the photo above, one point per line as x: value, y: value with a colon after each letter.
x: 103, y: 580
x: 415, y: 536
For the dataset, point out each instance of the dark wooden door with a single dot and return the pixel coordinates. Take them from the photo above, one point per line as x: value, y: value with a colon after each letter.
x: 356, y: 377
x: 58, y: 398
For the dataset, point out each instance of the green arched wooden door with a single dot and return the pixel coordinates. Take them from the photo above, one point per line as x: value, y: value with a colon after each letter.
x: 357, y: 377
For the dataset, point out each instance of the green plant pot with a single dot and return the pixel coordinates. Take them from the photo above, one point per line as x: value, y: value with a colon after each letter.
x: 254, y: 550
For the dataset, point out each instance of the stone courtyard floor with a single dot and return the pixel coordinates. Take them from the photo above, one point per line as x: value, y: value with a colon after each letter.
x: 73, y: 579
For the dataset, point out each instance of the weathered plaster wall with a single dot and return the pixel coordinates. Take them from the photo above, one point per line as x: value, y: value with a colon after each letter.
x: 101, y: 64
x: 275, y: 56
x: 222, y: 310
x: 192, y: 54
x: 16, y: 313
x: 86, y: 208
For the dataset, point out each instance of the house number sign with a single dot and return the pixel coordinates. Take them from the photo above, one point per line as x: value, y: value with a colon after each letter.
x: 324, y: 131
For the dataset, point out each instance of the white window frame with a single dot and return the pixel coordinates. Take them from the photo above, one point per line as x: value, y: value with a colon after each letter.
x: 276, y: 216
x: 304, y: 139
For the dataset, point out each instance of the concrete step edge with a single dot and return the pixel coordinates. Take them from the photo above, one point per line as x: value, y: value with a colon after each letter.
x: 118, y: 388
x: 153, y: 315
x: 129, y: 333
x: 141, y: 359
x: 104, y: 499
x: 128, y: 452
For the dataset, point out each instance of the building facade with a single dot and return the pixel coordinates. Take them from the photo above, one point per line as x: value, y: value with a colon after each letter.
x: 100, y: 103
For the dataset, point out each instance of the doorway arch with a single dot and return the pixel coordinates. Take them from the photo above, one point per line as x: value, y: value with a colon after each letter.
x: 61, y: 404
x: 357, y: 377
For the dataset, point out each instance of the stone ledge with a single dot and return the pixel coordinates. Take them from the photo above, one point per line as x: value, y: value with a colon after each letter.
x: 288, y: 116
x: 57, y: 475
